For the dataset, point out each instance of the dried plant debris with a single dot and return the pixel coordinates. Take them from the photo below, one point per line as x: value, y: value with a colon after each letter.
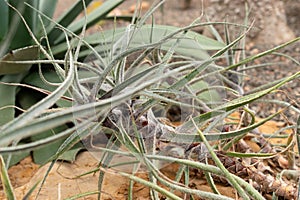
x: 273, y: 175
x: 258, y: 174
x: 267, y: 183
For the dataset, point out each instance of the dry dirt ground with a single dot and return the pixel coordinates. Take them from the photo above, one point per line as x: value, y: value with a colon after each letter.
x: 61, y: 182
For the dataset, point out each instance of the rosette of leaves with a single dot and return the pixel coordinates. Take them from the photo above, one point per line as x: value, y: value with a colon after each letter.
x: 30, y: 36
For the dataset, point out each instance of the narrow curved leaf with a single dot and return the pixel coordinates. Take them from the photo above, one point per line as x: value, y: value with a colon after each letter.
x: 190, y: 138
x: 8, y: 189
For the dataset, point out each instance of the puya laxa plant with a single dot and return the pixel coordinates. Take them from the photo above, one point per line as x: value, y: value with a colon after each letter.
x: 125, y: 95
x: 25, y: 80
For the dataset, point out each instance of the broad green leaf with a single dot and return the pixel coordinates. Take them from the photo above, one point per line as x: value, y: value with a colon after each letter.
x: 41, y: 155
x: 16, y: 157
x: 71, y: 154
x: 26, y: 98
x: 8, y: 97
x: 3, y: 20
x: 193, y: 44
x: 47, y: 7
x: 21, y: 36
x: 50, y: 76
x: 23, y: 54
x: 208, y: 96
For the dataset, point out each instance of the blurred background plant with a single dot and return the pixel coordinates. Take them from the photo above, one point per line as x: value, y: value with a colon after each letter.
x: 146, y: 92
